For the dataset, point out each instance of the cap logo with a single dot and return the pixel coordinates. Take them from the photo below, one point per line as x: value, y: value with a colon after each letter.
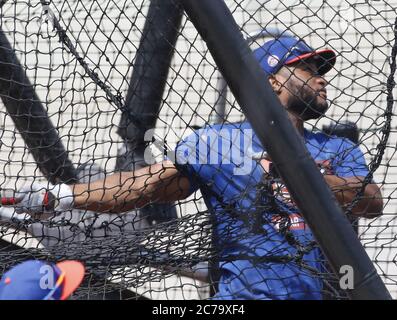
x: 273, y: 60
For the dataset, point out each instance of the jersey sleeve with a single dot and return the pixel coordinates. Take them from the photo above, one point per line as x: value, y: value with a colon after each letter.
x: 351, y: 161
x: 187, y: 159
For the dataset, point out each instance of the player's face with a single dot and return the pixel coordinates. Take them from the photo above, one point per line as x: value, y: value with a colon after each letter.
x: 304, y: 90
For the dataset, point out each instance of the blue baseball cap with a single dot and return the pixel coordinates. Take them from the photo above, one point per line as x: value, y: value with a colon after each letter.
x: 286, y: 50
x: 40, y: 280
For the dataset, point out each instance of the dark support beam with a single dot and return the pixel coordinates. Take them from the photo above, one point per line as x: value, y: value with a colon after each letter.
x: 148, y: 80
x: 31, y: 119
x: 150, y: 70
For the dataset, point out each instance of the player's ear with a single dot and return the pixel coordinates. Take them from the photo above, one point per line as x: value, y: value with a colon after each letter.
x: 275, y: 83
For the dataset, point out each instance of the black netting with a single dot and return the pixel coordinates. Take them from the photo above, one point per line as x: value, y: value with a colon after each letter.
x: 81, y: 91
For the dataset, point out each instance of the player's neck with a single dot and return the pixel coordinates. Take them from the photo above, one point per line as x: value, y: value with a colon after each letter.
x: 297, y: 122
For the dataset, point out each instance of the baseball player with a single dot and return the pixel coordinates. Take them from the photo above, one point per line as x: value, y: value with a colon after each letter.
x: 265, y: 248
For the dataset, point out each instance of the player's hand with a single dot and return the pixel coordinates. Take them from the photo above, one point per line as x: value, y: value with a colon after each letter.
x: 43, y: 200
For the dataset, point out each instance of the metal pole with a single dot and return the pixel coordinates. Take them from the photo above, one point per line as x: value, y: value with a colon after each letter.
x: 248, y: 82
x: 146, y: 89
x: 218, y: 115
x: 150, y: 70
x: 31, y: 118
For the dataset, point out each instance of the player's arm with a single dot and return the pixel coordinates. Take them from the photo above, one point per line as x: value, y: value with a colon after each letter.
x: 370, y: 204
x: 124, y: 191
x: 116, y: 193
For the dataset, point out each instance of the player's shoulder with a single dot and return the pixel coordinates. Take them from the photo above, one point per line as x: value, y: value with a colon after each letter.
x: 229, y: 126
x: 222, y: 130
x: 226, y: 132
x: 333, y: 141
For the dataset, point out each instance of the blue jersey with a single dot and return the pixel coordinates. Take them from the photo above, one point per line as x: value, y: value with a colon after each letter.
x: 266, y: 251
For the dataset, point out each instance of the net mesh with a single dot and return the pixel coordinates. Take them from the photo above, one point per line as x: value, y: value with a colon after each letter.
x: 79, y: 55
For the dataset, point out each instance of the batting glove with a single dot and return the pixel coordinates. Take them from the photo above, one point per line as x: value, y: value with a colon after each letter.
x: 38, y: 199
